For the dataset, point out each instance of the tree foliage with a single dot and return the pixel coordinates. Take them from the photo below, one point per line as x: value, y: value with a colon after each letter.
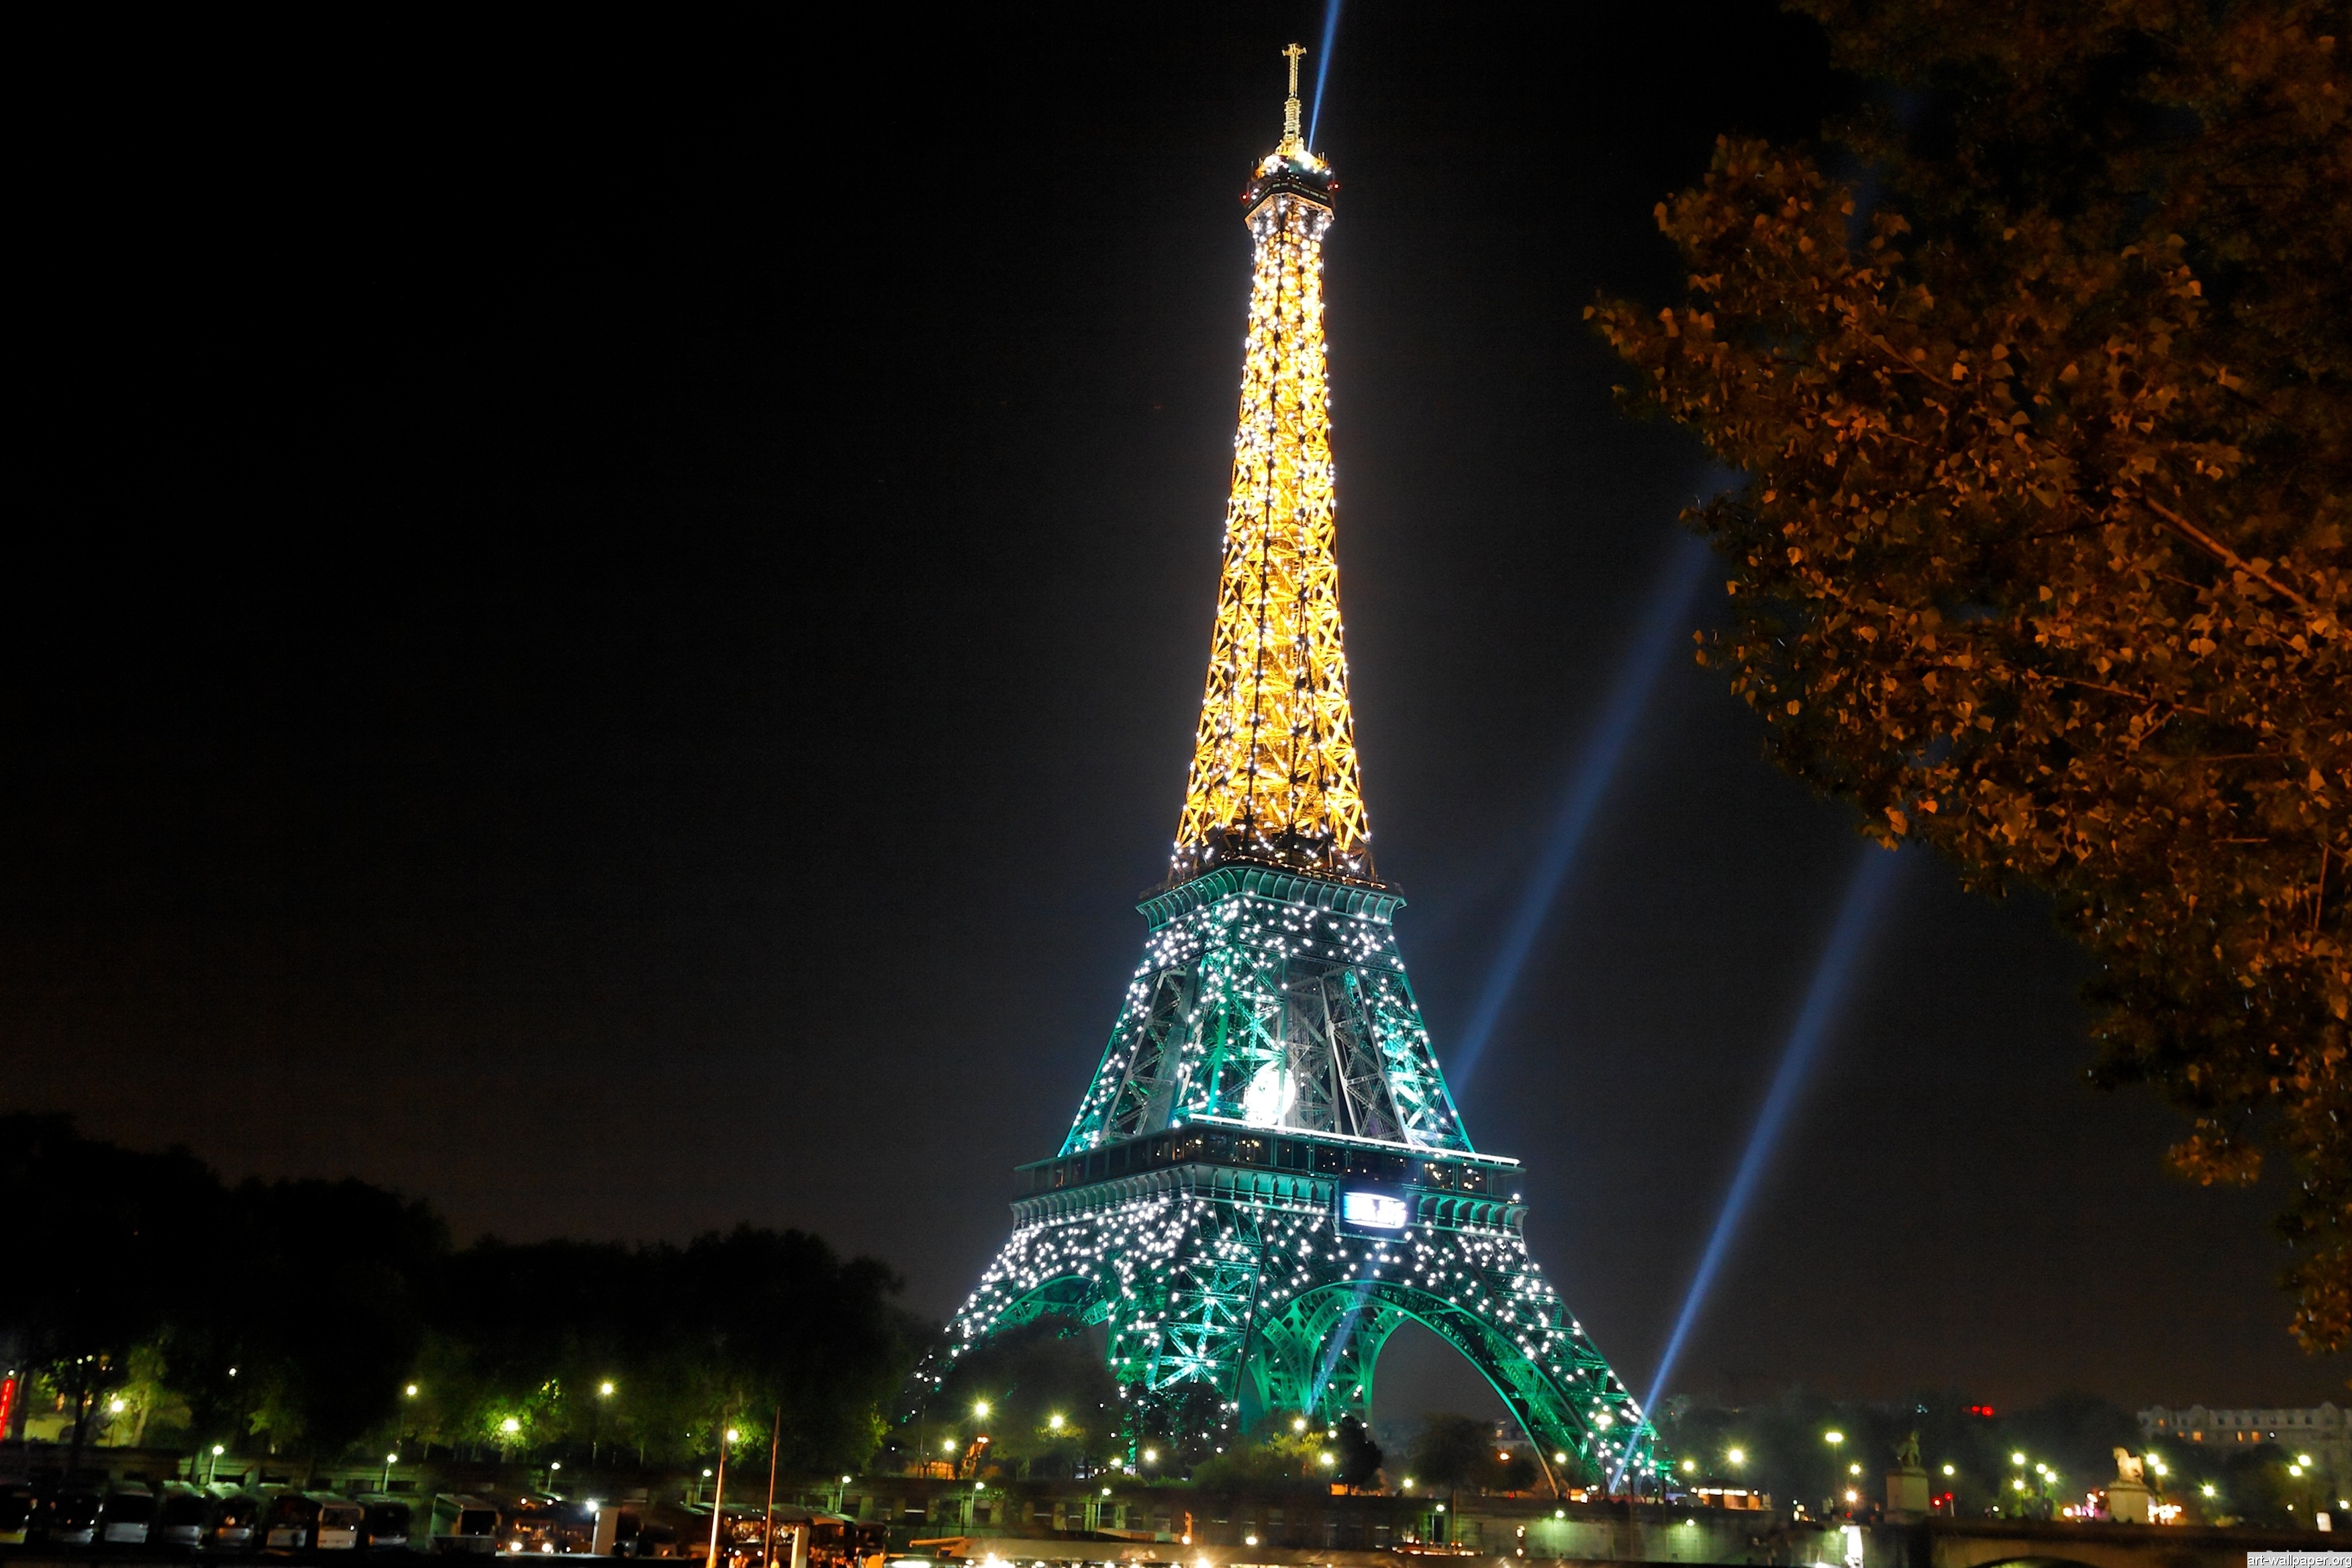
x: 1050, y: 1396
x: 2046, y: 416
x: 300, y: 1313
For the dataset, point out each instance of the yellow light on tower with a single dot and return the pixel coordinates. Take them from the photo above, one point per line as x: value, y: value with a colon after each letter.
x: 1275, y: 775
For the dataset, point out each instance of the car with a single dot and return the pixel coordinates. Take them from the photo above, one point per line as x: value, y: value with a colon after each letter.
x: 127, y: 1515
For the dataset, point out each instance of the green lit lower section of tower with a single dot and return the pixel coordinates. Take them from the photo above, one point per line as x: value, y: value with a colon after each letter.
x: 1246, y: 1253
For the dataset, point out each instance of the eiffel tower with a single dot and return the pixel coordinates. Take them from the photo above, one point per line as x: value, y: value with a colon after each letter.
x: 1268, y: 1175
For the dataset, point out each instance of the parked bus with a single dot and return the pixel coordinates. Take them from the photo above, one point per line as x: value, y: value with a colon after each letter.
x: 288, y: 1522
x: 180, y: 1515
x: 236, y: 1515
x: 17, y: 1507
x: 387, y: 1521
x: 463, y: 1523
x: 340, y: 1522
x: 127, y: 1515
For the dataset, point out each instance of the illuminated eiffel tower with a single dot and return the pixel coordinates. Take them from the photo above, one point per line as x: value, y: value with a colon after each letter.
x: 1268, y: 1177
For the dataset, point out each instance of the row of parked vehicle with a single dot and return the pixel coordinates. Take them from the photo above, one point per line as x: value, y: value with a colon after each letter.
x: 225, y: 1518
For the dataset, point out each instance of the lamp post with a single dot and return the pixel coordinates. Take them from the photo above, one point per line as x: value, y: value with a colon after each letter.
x: 719, y: 1496
x: 389, y: 1460
x: 213, y: 1473
x: 768, y: 1527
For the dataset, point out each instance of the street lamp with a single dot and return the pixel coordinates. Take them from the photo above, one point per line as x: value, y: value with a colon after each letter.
x: 1055, y: 1422
x: 980, y: 1408
x: 389, y: 1460
x: 604, y: 1389
x: 215, y: 1470
x: 1737, y: 1456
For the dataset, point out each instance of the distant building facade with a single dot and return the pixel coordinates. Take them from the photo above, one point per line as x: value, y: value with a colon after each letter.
x: 2322, y: 1431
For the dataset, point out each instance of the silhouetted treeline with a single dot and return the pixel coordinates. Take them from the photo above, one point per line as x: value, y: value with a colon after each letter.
x: 315, y: 1315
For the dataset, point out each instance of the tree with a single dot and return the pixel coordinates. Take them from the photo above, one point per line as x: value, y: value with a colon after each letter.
x: 1359, y: 1461
x: 2046, y: 416
x: 1460, y: 1451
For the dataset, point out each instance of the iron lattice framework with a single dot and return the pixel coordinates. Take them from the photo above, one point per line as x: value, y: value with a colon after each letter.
x: 1275, y: 775
x: 1267, y: 1176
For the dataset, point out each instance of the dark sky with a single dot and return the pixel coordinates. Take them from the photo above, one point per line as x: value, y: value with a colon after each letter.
x: 605, y: 625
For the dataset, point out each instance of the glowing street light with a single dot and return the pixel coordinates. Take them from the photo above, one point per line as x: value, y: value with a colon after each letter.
x: 1055, y: 1422
x: 510, y: 1425
x: 1832, y: 1438
x: 2017, y: 1459
x: 1950, y: 1470
x: 1690, y: 1466
x: 389, y: 1460
x: 1853, y: 1469
x: 1326, y: 1459
x: 1737, y: 1456
x: 1151, y: 1456
x: 410, y: 1392
x: 980, y: 1408
x: 2207, y: 1488
x: 604, y: 1389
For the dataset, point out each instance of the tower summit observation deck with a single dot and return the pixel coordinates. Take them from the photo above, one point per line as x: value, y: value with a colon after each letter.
x: 1267, y: 1175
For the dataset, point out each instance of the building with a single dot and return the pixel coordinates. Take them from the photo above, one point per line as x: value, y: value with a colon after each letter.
x: 2322, y: 1431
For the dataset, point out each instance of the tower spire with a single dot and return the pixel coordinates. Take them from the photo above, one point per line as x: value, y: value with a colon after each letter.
x: 1274, y: 777
x: 1291, y: 144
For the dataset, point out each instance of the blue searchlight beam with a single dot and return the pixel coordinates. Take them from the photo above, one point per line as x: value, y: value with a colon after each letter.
x: 1865, y: 895
x: 1662, y: 626
x: 1323, y: 67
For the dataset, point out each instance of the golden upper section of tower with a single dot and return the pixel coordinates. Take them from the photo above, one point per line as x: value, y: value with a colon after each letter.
x: 1275, y: 778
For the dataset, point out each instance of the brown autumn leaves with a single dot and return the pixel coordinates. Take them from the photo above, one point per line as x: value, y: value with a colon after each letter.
x: 2042, y: 555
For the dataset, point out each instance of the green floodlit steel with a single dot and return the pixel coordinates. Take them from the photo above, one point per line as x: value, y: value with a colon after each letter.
x: 1267, y: 1176
x: 1206, y: 1236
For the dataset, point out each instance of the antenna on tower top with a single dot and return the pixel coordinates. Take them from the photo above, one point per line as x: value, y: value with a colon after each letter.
x: 1291, y: 144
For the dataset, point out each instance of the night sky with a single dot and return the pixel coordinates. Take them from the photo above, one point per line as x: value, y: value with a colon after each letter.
x: 605, y: 627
